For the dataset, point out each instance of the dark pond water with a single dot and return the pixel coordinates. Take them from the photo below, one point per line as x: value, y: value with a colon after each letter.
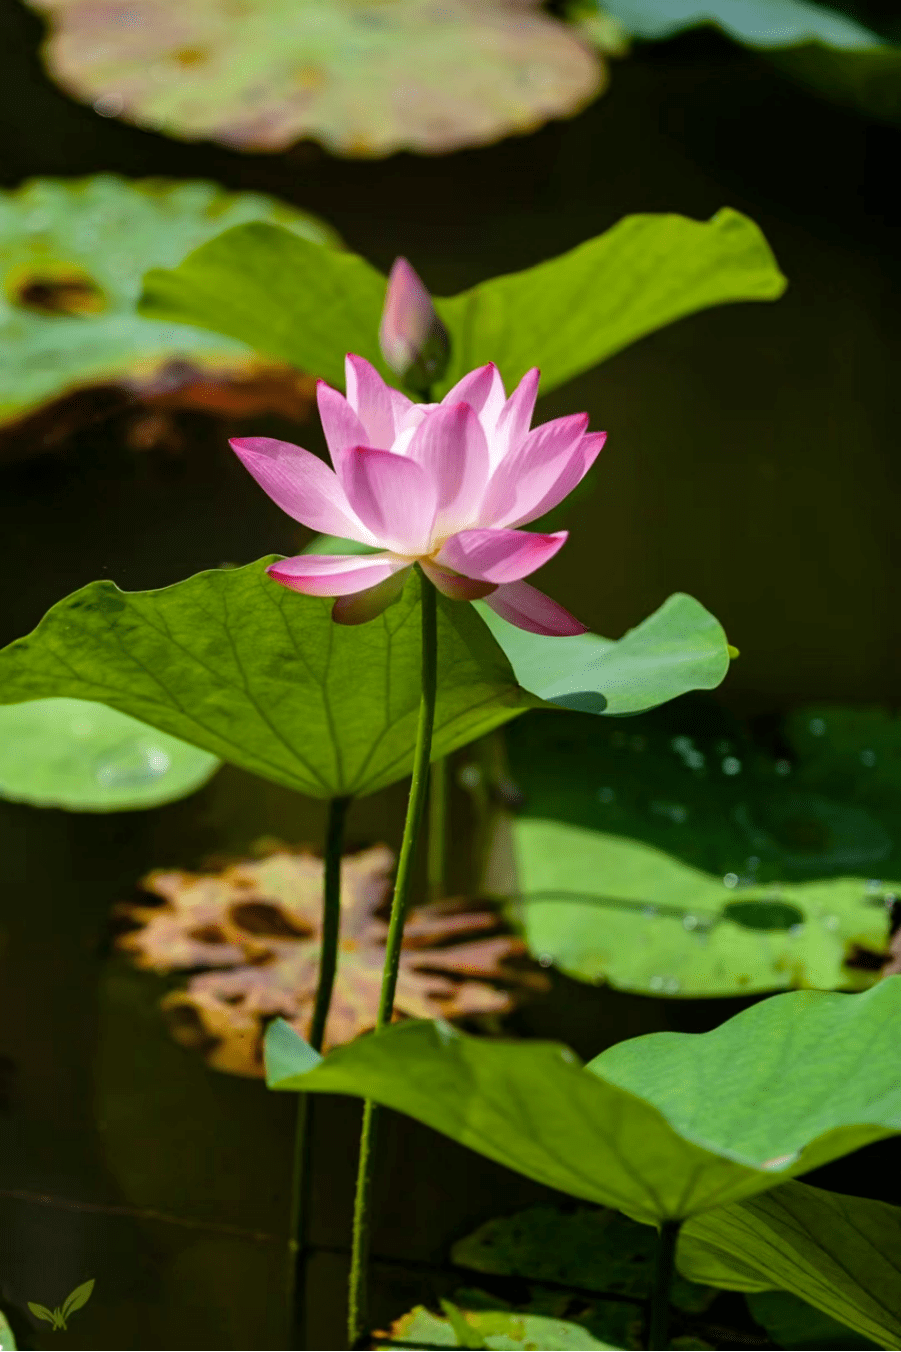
x: 751, y: 462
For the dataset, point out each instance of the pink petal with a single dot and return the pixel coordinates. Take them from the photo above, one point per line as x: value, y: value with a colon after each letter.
x: 525, y: 606
x: 379, y: 408
x: 516, y: 416
x: 484, y: 390
x: 302, y: 486
x: 541, y: 471
x: 362, y: 606
x: 499, y: 555
x: 335, y: 574
x: 340, y: 423
x: 450, y: 445
x: 455, y: 585
x: 393, y: 496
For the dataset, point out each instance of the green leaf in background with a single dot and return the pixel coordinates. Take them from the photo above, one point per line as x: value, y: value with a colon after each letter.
x: 841, y: 1254
x: 535, y: 1109
x: 772, y: 802
x: 87, y: 757
x: 310, y: 306
x: 594, y: 1249
x: 7, y: 1337
x: 757, y: 23
x: 605, y: 908
x: 572, y: 312
x: 282, y: 295
x: 680, y: 647
x: 261, y: 676
x: 72, y: 254
x: 790, y: 1083
x: 490, y: 1328
x: 793, y: 1324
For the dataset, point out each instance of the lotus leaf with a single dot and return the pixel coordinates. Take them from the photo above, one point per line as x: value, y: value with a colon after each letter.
x: 758, y: 23
x: 639, y: 1128
x: 262, y: 677
x: 257, y: 925
x: 564, y: 315
x: 488, y: 1328
x: 364, y: 77
x: 72, y: 254
x: 605, y: 908
x: 87, y: 757
x: 840, y: 1254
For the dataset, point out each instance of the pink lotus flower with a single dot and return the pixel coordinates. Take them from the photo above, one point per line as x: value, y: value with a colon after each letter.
x: 442, y: 485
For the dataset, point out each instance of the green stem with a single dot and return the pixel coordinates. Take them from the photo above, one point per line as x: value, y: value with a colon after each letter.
x: 328, y: 964
x: 358, y: 1317
x: 439, y: 776
x: 664, y: 1264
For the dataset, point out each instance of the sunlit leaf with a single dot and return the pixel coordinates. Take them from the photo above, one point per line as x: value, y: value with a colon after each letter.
x: 841, y: 1254
x: 7, y: 1337
x: 87, y: 757
x: 364, y: 78
x: 261, y: 676
x: 72, y: 254
x: 680, y: 647
x: 605, y: 908
x: 309, y: 306
x: 251, y: 936
x: 823, y: 1063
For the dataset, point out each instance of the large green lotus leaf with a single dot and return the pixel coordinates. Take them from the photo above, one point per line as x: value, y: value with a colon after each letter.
x: 261, y: 676
x: 534, y: 1108
x: 87, y: 757
x: 757, y: 23
x: 606, y: 908
x: 680, y: 647
x: 310, y: 306
x: 364, y: 77
x: 595, y: 1249
x: 796, y: 1080
x: 72, y: 254
x: 841, y: 1254
x: 724, y: 796
x: 489, y: 1328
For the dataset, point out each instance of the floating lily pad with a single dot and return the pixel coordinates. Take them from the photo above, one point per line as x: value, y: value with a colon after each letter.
x: 696, y: 782
x: 757, y: 23
x: 594, y: 1249
x: 252, y: 937
x: 87, y: 757
x: 262, y: 677
x: 840, y: 1254
x: 72, y: 255
x: 604, y: 908
x: 638, y: 1128
x: 364, y: 77
x: 488, y: 1328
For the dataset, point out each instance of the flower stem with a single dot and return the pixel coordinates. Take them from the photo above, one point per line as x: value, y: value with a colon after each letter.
x: 439, y: 775
x: 358, y: 1316
x: 664, y: 1264
x: 328, y: 963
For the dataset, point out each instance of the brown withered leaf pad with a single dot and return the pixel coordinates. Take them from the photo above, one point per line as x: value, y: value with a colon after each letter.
x: 255, y: 927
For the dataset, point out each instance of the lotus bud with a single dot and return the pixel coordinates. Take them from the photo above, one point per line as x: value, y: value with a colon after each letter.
x: 413, y: 340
